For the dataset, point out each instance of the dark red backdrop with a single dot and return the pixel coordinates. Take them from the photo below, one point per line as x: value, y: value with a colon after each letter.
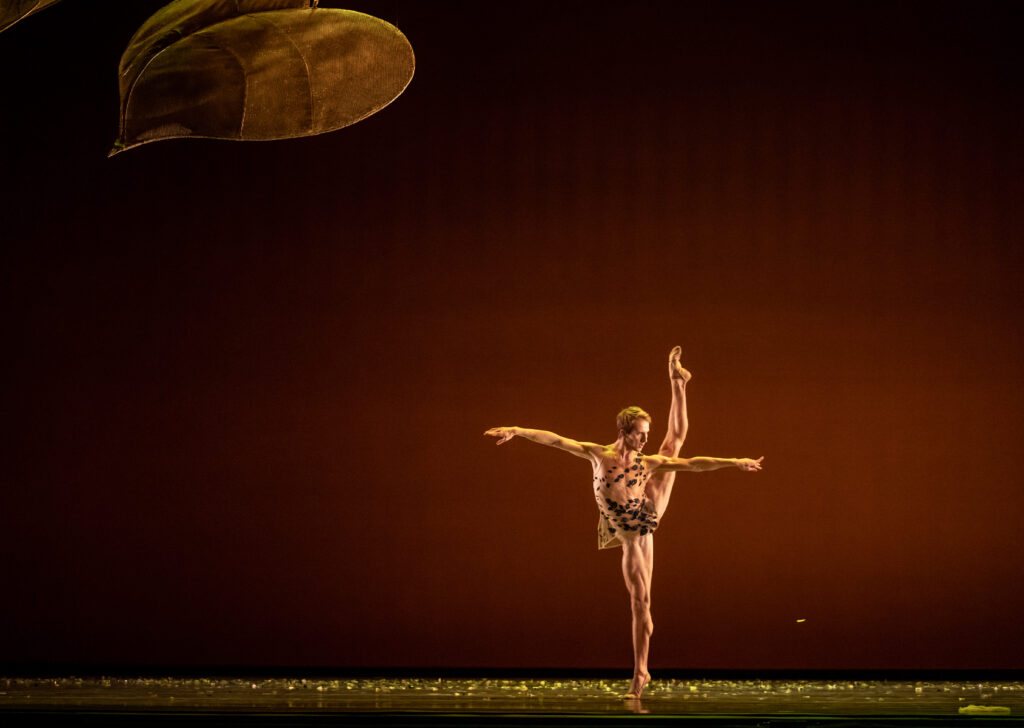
x: 246, y: 382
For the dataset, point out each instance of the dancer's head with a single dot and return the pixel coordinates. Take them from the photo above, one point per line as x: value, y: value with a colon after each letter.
x: 634, y: 424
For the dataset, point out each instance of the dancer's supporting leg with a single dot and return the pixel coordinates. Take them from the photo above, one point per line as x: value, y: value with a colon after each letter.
x: 638, y: 553
x: 637, y: 564
x: 660, y: 486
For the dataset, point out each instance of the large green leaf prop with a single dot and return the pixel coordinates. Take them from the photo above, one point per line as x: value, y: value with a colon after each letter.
x: 257, y: 70
x: 11, y: 11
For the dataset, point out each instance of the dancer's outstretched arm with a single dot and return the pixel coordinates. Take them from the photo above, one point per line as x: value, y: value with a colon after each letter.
x: 542, y: 437
x: 660, y: 462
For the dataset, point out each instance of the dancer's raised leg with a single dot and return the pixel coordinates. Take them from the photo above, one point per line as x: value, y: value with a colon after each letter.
x: 660, y: 486
x: 637, y: 566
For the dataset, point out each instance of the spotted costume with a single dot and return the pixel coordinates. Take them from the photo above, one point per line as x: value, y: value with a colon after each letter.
x: 622, y: 501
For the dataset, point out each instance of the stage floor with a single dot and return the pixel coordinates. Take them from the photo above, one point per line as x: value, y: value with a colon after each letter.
x: 497, y: 701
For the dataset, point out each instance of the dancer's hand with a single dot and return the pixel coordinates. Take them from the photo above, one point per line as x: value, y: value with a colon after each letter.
x: 749, y: 465
x: 504, y: 434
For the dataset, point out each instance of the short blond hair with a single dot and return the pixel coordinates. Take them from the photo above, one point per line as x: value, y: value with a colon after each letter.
x: 627, y: 417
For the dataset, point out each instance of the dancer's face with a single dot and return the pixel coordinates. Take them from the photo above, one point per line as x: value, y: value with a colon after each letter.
x: 636, y: 439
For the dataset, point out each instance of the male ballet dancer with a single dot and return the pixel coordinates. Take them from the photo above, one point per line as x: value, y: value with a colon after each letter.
x: 632, y: 492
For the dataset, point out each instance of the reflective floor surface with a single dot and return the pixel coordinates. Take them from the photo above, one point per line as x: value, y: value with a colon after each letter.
x: 447, y: 701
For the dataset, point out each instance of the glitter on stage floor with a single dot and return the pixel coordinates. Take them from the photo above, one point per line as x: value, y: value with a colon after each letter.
x: 480, y: 700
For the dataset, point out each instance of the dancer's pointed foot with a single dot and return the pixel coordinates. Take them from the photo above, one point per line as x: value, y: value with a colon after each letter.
x: 636, y: 688
x: 675, y: 369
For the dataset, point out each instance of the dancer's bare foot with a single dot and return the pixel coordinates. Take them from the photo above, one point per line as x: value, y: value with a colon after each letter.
x: 675, y: 369
x: 636, y: 688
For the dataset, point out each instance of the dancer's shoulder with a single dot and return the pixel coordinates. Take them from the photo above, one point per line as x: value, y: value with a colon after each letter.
x: 591, y: 451
x: 652, y: 462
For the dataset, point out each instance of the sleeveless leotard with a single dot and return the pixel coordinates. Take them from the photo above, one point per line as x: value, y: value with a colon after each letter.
x: 622, y: 501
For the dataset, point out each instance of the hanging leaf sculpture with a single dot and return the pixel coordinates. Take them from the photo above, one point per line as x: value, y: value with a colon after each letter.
x: 257, y: 70
x: 11, y: 11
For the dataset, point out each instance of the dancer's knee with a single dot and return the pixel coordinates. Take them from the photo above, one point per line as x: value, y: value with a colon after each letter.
x: 641, y: 604
x: 642, y: 617
x: 671, y: 447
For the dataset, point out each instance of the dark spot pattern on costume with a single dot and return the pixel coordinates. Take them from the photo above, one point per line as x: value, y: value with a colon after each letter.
x: 633, y: 514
